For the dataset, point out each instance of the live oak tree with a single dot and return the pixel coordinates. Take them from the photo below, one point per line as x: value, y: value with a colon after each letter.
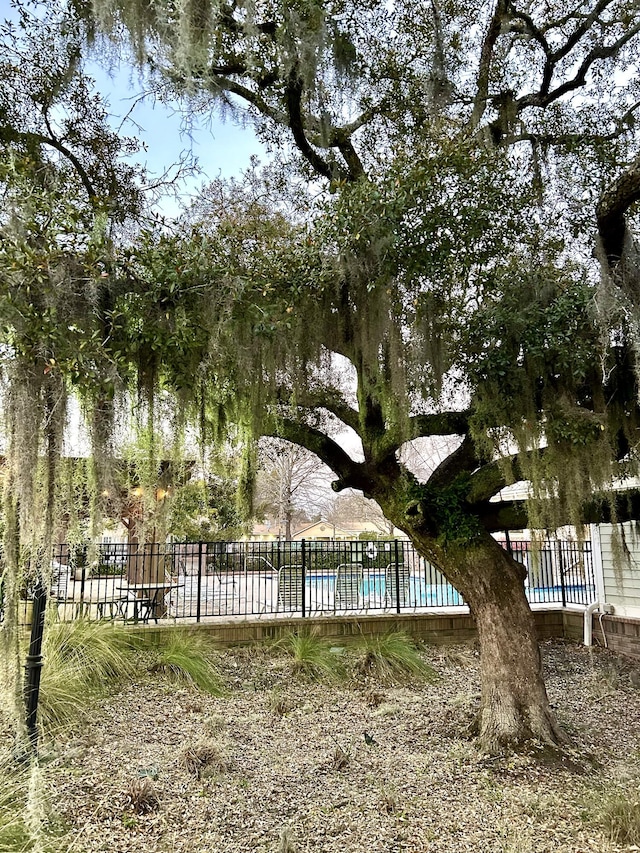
x: 463, y: 161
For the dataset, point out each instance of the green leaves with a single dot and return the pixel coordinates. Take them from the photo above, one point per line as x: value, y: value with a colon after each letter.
x: 445, y: 510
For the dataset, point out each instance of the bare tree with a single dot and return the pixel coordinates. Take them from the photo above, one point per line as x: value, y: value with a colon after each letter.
x: 352, y: 506
x: 292, y: 484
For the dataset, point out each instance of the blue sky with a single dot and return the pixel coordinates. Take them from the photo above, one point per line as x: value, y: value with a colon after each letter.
x: 221, y: 148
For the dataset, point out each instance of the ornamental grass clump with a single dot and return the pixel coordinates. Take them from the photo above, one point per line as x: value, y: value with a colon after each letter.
x: 279, y: 703
x: 312, y: 656
x: 14, y: 832
x: 187, y: 658
x: 82, y: 660
x: 141, y: 796
x: 391, y: 657
x: 619, y: 815
x: 204, y: 759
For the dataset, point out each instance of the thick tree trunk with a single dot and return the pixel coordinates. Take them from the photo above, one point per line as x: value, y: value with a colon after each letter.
x: 514, y: 705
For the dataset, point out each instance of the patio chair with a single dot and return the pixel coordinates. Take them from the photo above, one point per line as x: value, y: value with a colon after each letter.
x: 349, y: 587
x: 290, y: 588
x: 216, y: 559
x: 141, y: 606
x: 182, y: 599
x: 396, y: 585
x: 113, y: 607
x: 222, y: 595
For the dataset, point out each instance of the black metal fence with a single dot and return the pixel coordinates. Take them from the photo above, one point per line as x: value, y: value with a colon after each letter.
x: 197, y: 581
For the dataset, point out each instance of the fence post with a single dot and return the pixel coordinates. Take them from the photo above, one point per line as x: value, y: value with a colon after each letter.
x: 304, y: 582
x: 199, y: 585
x: 561, y: 565
x: 507, y: 540
x: 83, y: 578
x: 589, y: 572
x: 397, y: 570
x: 33, y: 665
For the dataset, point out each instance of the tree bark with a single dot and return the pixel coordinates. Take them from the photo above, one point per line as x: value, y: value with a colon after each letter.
x: 514, y: 706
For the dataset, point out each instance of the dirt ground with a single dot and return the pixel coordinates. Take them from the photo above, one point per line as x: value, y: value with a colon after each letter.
x: 284, y: 765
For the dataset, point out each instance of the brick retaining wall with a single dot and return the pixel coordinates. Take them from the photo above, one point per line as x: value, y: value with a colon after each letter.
x: 434, y: 628
x: 622, y: 635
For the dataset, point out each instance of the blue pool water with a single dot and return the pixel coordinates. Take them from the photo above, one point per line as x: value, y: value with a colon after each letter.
x: 423, y: 594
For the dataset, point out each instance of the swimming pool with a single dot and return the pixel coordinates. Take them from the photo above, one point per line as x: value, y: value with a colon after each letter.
x: 422, y: 593
x: 418, y: 593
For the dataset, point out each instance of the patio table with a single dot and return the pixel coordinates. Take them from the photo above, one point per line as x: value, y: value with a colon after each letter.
x: 148, y: 598
x: 112, y: 607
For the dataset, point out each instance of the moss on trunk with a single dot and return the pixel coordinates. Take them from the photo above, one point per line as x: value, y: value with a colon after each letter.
x: 514, y: 707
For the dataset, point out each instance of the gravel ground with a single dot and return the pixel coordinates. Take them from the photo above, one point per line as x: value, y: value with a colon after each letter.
x: 281, y: 764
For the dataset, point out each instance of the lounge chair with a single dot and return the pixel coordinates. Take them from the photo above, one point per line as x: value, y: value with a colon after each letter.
x: 349, y: 587
x: 396, y: 585
x: 290, y: 588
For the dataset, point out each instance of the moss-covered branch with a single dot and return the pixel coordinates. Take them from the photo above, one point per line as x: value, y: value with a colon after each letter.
x: 512, y: 515
x: 490, y: 478
x: 610, y: 212
x: 325, y: 398
x: 351, y: 474
x: 442, y: 423
x: 502, y: 515
x: 463, y: 460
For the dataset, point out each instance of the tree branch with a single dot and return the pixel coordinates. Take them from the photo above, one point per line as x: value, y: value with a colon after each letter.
x: 611, y: 210
x: 502, y: 515
x: 226, y: 85
x: 332, y: 401
x: 443, y: 423
x: 354, y: 163
x: 537, y: 35
x: 622, y: 125
x: 263, y: 81
x: 364, y: 118
x: 462, y: 460
x: 237, y: 28
x: 512, y: 515
x: 490, y: 478
x: 543, y: 99
x: 486, y: 57
x: 294, y: 109
x: 351, y: 474
x: 580, y: 30
x: 9, y: 134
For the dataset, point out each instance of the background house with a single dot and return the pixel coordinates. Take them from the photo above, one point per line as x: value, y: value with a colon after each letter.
x: 326, y: 531
x: 619, y: 549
